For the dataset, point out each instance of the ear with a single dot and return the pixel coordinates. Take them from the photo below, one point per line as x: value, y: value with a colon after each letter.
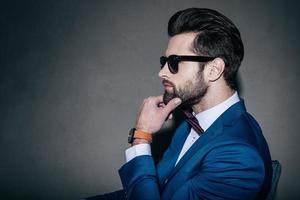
x: 216, y: 69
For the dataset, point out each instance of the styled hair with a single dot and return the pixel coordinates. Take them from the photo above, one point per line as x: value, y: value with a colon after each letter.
x: 217, y: 37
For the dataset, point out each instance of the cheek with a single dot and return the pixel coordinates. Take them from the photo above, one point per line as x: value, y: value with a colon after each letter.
x: 187, y: 73
x: 187, y: 69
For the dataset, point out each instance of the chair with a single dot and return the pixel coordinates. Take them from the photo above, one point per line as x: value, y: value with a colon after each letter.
x: 275, y: 179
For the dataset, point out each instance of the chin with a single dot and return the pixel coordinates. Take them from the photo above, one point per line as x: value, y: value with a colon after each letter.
x: 168, y: 96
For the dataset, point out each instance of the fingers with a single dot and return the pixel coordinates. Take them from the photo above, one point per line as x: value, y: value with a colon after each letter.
x: 172, y: 105
x: 155, y: 101
x: 170, y: 116
x: 158, y: 99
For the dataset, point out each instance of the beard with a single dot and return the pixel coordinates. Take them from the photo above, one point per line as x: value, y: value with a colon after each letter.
x: 190, y: 93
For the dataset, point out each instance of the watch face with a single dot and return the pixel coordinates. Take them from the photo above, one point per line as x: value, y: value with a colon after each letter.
x: 130, y: 137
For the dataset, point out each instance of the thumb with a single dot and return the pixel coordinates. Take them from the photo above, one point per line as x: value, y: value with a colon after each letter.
x: 172, y: 105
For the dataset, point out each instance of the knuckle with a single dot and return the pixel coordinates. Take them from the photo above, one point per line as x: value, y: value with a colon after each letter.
x: 149, y: 99
x: 146, y: 100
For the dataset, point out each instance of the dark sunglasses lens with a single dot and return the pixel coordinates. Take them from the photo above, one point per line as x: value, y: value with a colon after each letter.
x: 173, y: 65
x: 163, y: 61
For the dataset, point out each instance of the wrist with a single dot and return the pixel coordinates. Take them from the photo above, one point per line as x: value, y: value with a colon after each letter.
x: 137, y: 141
x: 143, y: 137
x: 142, y: 128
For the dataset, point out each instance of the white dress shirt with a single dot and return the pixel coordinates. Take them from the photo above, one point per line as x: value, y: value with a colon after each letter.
x: 205, y: 119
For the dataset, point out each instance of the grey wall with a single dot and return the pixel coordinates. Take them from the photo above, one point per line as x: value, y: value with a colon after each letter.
x: 73, y: 74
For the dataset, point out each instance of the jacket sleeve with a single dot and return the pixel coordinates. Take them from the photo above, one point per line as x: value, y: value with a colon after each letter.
x: 233, y: 171
x: 139, y: 179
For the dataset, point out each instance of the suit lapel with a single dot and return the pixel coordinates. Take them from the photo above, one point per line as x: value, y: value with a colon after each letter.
x: 226, y: 119
x: 166, y: 165
x: 208, y: 135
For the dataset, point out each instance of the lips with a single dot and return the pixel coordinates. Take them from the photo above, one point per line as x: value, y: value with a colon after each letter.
x: 168, y: 85
x: 168, y: 88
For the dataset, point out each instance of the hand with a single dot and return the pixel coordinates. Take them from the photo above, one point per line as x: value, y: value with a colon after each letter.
x: 153, y: 113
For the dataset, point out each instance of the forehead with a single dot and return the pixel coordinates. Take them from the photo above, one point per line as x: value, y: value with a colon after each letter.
x: 181, y: 44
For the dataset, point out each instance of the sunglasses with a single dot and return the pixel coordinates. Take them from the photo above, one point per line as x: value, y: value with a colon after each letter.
x: 173, y: 61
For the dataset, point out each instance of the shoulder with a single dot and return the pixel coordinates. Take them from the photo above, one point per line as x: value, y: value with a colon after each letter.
x: 237, y: 162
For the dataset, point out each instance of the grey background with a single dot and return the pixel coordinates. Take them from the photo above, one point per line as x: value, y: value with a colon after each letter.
x: 73, y: 74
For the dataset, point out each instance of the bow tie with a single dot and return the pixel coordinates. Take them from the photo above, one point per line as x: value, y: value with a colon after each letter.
x: 193, y: 122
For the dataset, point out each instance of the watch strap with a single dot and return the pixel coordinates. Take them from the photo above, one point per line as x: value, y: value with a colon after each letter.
x: 143, y: 135
x: 138, y: 134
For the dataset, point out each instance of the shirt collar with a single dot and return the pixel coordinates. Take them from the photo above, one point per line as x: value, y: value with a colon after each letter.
x: 207, y: 117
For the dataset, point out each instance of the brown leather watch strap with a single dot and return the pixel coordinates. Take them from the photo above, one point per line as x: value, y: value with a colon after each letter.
x: 143, y: 135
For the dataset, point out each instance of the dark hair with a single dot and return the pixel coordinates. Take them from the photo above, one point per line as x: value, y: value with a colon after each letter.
x: 217, y: 37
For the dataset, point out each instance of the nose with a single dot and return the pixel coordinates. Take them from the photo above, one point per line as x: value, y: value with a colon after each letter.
x: 164, y: 72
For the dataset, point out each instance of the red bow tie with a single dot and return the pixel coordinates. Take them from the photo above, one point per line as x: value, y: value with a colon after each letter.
x: 193, y: 122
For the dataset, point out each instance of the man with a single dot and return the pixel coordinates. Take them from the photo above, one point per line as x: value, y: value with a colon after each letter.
x: 226, y: 157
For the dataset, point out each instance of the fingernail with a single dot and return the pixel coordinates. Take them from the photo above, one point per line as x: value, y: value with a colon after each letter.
x: 177, y: 101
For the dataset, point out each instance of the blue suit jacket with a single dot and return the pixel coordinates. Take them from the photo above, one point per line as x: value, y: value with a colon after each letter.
x: 231, y: 160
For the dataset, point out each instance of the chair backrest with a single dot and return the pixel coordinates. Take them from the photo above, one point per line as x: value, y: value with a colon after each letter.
x: 275, y: 179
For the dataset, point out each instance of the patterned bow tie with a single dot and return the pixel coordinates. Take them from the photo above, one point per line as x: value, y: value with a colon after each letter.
x: 193, y: 122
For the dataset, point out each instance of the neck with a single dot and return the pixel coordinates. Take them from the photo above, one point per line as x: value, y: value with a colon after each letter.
x: 212, y: 98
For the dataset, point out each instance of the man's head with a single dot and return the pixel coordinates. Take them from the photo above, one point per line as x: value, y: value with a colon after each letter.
x: 201, y: 32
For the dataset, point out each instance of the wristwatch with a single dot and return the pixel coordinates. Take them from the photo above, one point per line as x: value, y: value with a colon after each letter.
x: 133, y: 133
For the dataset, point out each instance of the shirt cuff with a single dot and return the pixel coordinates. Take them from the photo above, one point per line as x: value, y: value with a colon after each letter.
x: 137, y: 150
